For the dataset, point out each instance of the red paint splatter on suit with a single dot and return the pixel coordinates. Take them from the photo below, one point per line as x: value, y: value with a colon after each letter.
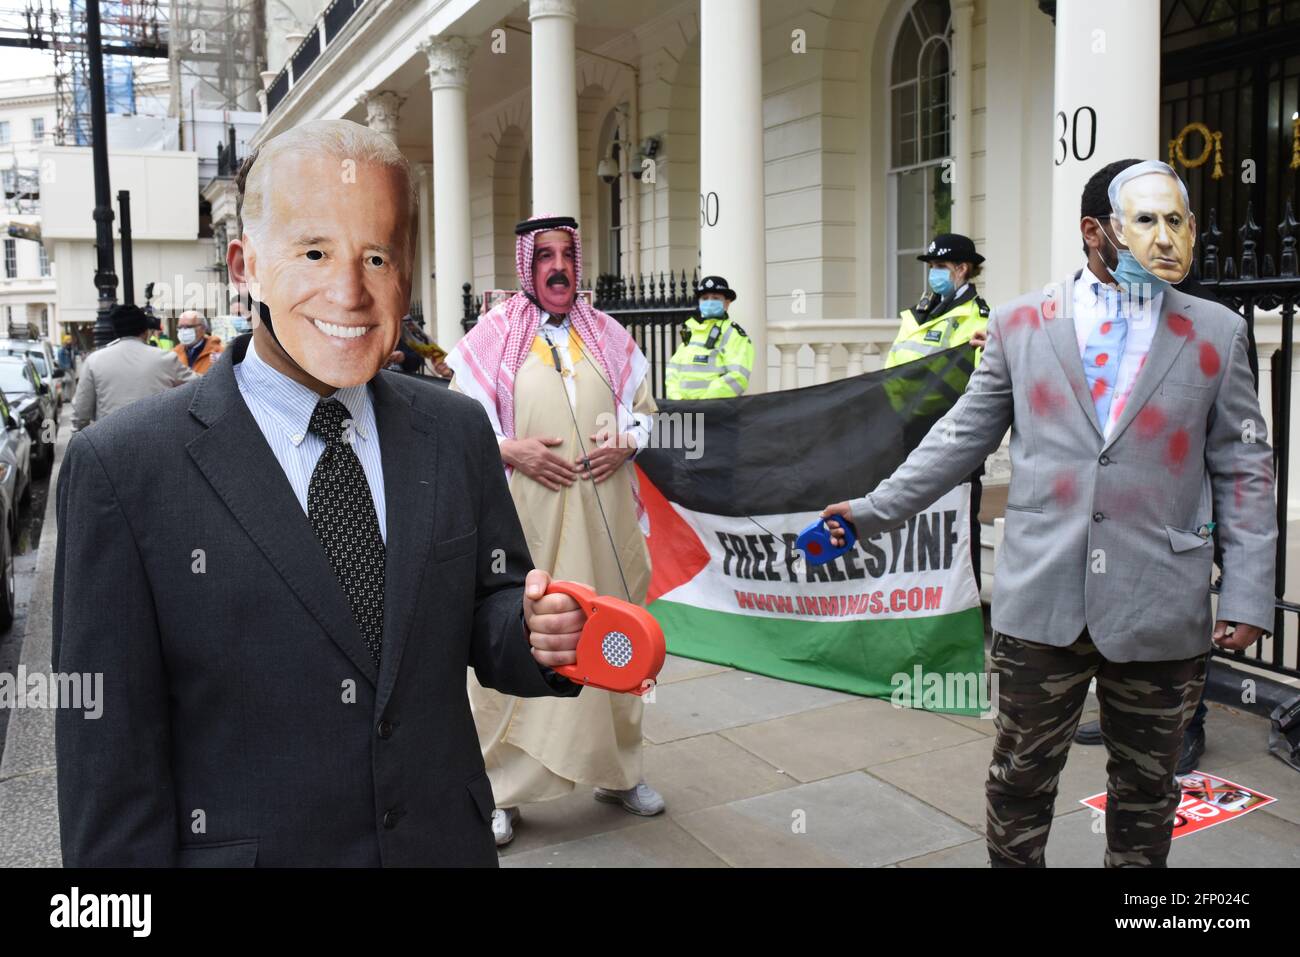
x: 1210, y: 363
x: 1149, y: 422
x: 1024, y: 316
x: 1049, y: 309
x: 1044, y: 400
x: 1176, y: 451
x: 1181, y: 326
x: 1098, y: 389
x: 1065, y: 489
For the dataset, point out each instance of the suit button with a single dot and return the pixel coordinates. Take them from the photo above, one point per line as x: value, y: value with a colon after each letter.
x: 1104, y: 460
x: 391, y: 817
x: 385, y: 729
x: 1097, y: 516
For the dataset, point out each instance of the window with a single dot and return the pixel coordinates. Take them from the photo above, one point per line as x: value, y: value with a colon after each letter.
x: 38, y: 130
x: 11, y: 259
x: 9, y: 181
x: 4, y: 133
x: 44, y: 258
x: 920, y: 95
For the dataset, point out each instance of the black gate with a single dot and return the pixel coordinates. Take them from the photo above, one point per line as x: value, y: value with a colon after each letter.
x: 1256, y: 286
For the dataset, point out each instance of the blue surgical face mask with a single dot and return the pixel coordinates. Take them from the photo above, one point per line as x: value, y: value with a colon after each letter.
x: 712, y: 308
x: 941, y: 281
x: 1135, y: 279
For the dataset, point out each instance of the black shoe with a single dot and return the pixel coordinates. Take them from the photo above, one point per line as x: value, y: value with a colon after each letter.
x: 1089, y: 732
x: 1193, y: 750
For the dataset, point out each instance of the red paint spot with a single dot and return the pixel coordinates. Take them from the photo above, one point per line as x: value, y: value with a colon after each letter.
x: 1024, y: 316
x: 1098, y: 389
x: 1105, y: 328
x: 1238, y: 493
x: 1181, y: 326
x: 1102, y: 358
x: 1117, y: 407
x: 1044, y: 400
x: 1064, y: 488
x: 1210, y: 363
x: 1176, y: 451
x: 1149, y: 422
x: 1049, y: 309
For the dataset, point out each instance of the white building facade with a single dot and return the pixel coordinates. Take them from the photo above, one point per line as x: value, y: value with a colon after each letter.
x: 27, y: 284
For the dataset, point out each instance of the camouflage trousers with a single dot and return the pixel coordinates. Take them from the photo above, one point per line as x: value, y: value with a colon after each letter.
x: 1145, y: 706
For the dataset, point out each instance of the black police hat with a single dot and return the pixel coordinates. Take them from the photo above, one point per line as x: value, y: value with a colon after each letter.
x: 952, y: 248
x: 716, y: 284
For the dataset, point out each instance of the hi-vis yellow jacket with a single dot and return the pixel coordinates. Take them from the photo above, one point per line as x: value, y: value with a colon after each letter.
x: 923, y: 335
x: 715, y: 361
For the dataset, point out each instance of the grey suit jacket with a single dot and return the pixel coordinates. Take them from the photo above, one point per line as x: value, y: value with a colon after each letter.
x: 120, y: 373
x: 244, y: 720
x: 1102, y: 532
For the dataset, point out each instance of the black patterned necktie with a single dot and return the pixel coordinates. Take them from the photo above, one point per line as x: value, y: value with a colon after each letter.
x: 342, y: 513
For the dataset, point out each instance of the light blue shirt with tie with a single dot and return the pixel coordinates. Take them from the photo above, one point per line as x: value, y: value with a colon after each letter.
x: 282, y: 409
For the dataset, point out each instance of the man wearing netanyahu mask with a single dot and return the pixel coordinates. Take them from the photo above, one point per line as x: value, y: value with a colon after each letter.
x: 284, y: 664
x: 1155, y: 231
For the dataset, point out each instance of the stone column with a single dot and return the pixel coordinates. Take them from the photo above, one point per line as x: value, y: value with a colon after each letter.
x: 555, y: 109
x: 732, y: 222
x: 382, y: 108
x: 1107, y: 104
x: 960, y: 104
x: 453, y: 247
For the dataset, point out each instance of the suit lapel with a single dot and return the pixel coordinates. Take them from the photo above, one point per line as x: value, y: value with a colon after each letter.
x: 408, y: 448
x: 1060, y: 332
x: 1165, y: 346
x: 234, y: 457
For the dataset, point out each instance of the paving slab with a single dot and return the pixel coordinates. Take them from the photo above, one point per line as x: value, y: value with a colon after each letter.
x: 853, y: 820
x: 708, y: 770
x: 952, y: 779
x: 727, y: 700
x: 846, y: 737
x: 677, y: 668
x: 569, y: 818
x: 657, y: 843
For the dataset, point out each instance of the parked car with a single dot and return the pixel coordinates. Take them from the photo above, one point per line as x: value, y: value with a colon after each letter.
x: 30, y: 399
x: 42, y: 355
x: 15, y: 492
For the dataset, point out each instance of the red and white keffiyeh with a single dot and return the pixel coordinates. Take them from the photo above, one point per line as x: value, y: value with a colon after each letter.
x: 488, y: 358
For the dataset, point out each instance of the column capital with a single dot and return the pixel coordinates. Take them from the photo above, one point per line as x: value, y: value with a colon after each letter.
x: 448, y: 61
x: 537, y: 9
x: 382, y: 107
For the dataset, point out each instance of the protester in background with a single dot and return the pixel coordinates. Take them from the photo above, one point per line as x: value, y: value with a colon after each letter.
x: 125, y: 370
x: 197, y: 348
x: 566, y: 390
x: 716, y: 357
x: 950, y: 314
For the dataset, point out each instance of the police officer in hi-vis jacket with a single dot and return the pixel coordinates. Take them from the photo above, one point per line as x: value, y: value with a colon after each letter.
x: 951, y: 313
x: 716, y: 357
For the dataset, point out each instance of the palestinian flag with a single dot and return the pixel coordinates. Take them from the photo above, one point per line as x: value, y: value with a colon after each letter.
x: 730, y: 483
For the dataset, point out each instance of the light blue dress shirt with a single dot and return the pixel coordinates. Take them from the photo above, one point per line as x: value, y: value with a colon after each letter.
x: 282, y: 409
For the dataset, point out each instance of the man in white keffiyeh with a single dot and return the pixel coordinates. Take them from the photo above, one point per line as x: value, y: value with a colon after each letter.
x: 566, y: 389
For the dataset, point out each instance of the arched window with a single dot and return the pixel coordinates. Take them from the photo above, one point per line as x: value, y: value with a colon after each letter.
x: 920, y: 195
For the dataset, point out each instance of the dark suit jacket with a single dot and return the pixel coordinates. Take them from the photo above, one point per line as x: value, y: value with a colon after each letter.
x: 244, y: 720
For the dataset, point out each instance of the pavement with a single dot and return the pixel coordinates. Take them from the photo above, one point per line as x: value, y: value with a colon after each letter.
x: 758, y: 772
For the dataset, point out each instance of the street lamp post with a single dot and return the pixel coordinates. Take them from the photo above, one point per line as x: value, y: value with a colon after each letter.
x: 105, y: 277
x: 128, y: 278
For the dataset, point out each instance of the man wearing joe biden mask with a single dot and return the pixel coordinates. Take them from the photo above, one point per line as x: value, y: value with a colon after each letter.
x: 284, y: 664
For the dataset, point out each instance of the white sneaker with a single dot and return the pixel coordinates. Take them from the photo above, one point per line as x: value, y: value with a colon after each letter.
x: 503, y: 825
x: 642, y: 799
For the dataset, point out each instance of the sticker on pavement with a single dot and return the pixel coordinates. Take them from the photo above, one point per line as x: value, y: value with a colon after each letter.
x: 1207, y: 800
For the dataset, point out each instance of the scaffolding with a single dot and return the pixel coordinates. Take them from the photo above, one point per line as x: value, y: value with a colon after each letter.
x: 215, y: 51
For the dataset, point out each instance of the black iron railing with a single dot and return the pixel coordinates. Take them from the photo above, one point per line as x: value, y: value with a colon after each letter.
x: 277, y: 91
x: 336, y: 16
x: 654, y: 310
x: 1257, y: 286
x: 306, y: 54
